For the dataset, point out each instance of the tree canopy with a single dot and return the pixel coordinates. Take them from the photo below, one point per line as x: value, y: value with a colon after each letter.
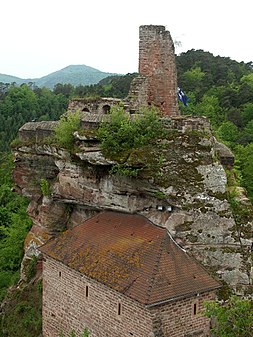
x: 222, y: 90
x: 234, y: 318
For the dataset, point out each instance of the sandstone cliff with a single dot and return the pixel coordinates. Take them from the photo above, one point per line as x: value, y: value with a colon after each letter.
x: 181, y: 182
x: 182, y: 186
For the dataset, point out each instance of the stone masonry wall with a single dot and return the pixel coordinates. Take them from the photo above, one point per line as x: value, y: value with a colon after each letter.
x: 96, y: 106
x: 157, y: 63
x: 182, y: 318
x: 67, y: 306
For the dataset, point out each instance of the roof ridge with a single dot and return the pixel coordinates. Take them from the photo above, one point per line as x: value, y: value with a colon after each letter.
x: 155, y: 268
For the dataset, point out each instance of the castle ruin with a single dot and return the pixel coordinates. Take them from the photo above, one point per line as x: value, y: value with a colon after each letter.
x: 156, y: 83
x: 157, y: 63
x: 185, y: 204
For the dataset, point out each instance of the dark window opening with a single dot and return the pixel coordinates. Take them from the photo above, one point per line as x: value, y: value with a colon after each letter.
x: 85, y: 109
x: 119, y: 309
x: 106, y: 109
x: 59, y: 273
x: 195, y: 309
x: 86, y: 291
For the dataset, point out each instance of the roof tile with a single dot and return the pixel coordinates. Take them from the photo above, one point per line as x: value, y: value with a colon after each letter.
x: 131, y: 255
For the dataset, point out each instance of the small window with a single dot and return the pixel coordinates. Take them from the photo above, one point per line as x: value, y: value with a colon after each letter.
x: 195, y: 308
x: 87, y: 291
x: 119, y: 309
x: 59, y: 273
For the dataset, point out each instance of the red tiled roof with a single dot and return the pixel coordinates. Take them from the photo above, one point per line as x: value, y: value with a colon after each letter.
x: 131, y: 255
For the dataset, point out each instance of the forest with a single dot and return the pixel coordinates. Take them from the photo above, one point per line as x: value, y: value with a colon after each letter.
x: 217, y: 87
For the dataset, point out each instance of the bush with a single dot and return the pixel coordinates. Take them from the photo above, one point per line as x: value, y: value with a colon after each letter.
x: 65, y: 129
x: 233, y: 318
x: 45, y: 187
x: 123, y: 133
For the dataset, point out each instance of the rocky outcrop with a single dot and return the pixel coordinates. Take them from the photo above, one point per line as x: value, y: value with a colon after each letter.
x: 181, y: 186
x: 179, y: 181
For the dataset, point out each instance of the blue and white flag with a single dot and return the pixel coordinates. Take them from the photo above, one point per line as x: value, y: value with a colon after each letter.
x: 182, y: 97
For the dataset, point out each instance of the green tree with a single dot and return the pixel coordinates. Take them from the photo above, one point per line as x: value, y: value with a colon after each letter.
x: 65, y: 89
x: 209, y: 107
x: 193, y: 79
x: 50, y: 104
x: 116, y: 134
x: 244, y: 155
x: 68, y: 124
x: 247, y: 134
x: 14, y: 226
x: 228, y: 132
x: 244, y: 94
x: 231, y: 319
x: 247, y: 113
x: 21, y: 100
x: 248, y: 79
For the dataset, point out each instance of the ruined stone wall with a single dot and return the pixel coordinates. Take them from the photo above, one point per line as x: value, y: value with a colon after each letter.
x: 138, y: 93
x: 69, y: 305
x: 37, y: 131
x: 98, y: 106
x: 157, y: 63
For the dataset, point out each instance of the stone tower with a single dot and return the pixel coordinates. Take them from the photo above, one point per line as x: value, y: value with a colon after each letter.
x: 157, y: 63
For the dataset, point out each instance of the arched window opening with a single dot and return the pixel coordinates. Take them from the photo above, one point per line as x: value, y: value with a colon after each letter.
x: 106, y: 108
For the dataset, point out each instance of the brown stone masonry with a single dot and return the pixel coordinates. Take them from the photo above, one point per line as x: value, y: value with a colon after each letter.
x: 157, y: 63
x: 182, y: 318
x: 66, y: 306
x: 73, y: 301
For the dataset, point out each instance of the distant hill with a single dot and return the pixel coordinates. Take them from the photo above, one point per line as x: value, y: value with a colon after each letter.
x: 11, y: 79
x: 73, y: 74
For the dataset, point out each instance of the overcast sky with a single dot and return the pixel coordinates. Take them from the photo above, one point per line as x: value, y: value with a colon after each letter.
x: 41, y: 36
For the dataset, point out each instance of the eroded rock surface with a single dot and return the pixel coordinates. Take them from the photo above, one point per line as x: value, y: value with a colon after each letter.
x: 181, y: 186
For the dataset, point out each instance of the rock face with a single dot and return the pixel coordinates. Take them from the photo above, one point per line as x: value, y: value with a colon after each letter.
x: 181, y: 183
x: 184, y: 191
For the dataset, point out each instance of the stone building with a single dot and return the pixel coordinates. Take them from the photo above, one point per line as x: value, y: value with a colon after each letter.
x: 91, y: 280
x: 120, y: 275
